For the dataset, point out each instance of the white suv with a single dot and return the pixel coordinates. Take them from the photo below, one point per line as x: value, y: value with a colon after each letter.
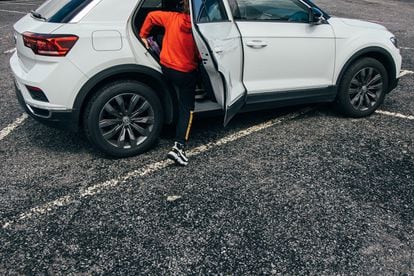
x: 80, y: 64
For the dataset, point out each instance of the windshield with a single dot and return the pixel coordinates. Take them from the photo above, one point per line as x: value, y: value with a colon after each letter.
x: 61, y: 11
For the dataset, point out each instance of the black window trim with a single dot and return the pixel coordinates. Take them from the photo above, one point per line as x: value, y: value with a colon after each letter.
x: 218, y: 21
x: 272, y: 21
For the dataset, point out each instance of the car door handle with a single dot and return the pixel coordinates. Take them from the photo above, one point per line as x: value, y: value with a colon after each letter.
x: 256, y: 44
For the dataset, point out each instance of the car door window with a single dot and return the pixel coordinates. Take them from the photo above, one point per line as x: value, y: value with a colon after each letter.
x: 271, y: 10
x: 209, y: 11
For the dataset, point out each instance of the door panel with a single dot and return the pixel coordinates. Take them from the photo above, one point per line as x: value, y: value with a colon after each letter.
x: 224, y: 41
x: 220, y: 46
x: 281, y: 56
x: 210, y: 66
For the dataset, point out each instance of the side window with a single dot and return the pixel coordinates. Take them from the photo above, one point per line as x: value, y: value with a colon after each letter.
x: 209, y: 11
x: 152, y: 4
x: 272, y: 10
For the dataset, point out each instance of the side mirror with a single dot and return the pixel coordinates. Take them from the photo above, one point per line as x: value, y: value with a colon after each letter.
x: 316, y: 16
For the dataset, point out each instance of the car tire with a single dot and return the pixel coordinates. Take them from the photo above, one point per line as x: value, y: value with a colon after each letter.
x: 123, y: 119
x: 362, y: 88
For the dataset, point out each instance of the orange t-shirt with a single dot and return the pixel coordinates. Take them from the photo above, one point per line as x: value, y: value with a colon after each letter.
x: 179, y: 50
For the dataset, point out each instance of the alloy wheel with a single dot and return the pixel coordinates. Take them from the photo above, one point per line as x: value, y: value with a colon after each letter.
x: 126, y: 120
x: 366, y: 88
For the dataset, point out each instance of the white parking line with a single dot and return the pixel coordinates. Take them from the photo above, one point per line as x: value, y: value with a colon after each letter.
x: 10, y: 51
x: 397, y: 115
x: 146, y: 170
x: 406, y: 48
x: 11, y: 11
x: 405, y: 73
x: 378, y: 22
x: 12, y: 3
x: 8, y: 129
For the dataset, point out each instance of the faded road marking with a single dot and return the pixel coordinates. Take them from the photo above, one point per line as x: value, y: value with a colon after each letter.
x: 405, y: 73
x: 397, y: 115
x: 11, y: 11
x: 10, y: 51
x: 144, y: 171
x: 8, y: 129
x: 12, y: 3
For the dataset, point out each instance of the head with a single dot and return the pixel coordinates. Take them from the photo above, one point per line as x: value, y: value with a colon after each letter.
x: 186, y: 6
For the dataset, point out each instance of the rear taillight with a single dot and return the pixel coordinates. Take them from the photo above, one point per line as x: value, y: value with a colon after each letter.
x: 56, y: 45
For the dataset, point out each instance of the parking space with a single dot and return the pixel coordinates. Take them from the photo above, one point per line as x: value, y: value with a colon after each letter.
x: 10, y: 12
x: 289, y: 191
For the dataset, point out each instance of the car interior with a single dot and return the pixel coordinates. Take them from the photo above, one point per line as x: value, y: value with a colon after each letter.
x: 286, y: 11
x: 205, y: 99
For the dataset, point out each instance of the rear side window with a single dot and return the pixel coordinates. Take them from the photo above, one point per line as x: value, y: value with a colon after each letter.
x: 61, y: 11
x: 209, y: 11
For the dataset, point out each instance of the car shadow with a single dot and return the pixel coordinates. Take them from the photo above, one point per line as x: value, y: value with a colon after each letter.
x: 203, y: 129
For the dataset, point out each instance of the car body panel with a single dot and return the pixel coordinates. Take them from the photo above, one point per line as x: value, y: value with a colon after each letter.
x: 296, y: 56
x: 225, y: 44
x: 59, y: 92
x: 352, y: 36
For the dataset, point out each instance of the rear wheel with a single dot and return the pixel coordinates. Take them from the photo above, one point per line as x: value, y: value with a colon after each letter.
x: 362, y: 89
x: 123, y: 119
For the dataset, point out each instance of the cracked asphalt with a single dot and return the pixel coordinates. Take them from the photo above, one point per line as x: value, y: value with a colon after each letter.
x: 314, y: 194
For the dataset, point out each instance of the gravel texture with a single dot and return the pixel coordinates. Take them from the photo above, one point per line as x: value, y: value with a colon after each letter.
x: 318, y: 194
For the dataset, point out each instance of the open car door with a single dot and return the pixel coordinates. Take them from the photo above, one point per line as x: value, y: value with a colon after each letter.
x: 220, y: 45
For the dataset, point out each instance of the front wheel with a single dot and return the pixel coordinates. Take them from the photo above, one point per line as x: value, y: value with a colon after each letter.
x: 362, y: 88
x: 123, y: 119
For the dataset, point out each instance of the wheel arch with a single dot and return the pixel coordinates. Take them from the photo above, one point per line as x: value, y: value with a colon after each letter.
x: 146, y: 75
x: 377, y: 53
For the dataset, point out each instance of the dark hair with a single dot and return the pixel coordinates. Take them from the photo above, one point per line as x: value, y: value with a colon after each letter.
x: 186, y: 6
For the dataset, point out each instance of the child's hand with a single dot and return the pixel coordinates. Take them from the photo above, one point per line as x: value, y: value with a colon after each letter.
x: 145, y: 41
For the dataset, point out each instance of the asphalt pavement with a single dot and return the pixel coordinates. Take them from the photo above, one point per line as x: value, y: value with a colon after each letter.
x: 290, y: 191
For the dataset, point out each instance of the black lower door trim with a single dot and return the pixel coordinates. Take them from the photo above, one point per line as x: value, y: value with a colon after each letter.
x: 287, y: 98
x: 232, y: 110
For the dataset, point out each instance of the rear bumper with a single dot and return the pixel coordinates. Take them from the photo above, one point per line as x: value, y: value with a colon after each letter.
x: 57, y: 119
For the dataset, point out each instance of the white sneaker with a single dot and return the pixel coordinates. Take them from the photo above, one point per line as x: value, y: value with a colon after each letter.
x: 177, y: 154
